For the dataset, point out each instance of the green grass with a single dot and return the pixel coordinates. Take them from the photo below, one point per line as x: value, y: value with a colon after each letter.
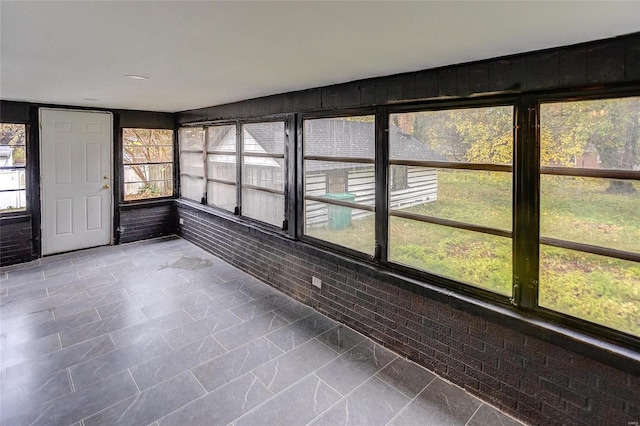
x: 595, y: 288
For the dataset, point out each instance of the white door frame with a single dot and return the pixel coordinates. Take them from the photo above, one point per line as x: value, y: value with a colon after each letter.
x: 111, y: 170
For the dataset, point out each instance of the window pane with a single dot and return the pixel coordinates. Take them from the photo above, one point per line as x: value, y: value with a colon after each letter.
x: 476, y: 197
x: 264, y: 138
x: 344, y: 226
x: 264, y: 172
x: 590, y: 211
x: 148, y: 181
x: 192, y: 163
x: 221, y: 195
x: 151, y: 137
x: 340, y: 137
x: 221, y: 167
x: 148, y: 154
x: 192, y: 138
x: 478, y: 259
x: 473, y: 135
x: 191, y: 187
x: 264, y: 206
x: 595, y: 288
x: 353, y: 182
x: 12, y: 179
x: 222, y: 138
x: 600, y: 134
x: 13, y: 201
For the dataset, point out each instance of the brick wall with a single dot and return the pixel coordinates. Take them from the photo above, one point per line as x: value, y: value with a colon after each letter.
x: 15, y: 240
x: 144, y: 221
x: 486, y: 353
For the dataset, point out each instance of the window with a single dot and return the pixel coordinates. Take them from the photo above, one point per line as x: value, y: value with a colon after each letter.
x: 589, y: 204
x: 148, y: 163
x: 450, y: 194
x: 13, y: 160
x: 339, y: 181
x: 209, y: 171
x: 221, y: 166
x: 192, y: 179
x: 263, y: 172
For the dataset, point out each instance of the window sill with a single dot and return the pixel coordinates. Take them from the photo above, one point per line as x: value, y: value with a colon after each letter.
x: 141, y: 204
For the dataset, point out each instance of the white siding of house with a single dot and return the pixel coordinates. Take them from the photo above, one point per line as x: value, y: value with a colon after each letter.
x: 422, y: 188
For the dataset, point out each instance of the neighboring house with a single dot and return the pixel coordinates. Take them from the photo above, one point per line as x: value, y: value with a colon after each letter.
x: 409, y: 186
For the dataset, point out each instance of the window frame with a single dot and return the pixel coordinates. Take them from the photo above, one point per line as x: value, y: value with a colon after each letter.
x: 582, y: 325
x: 300, y: 212
x: 175, y: 169
x: 289, y: 122
x: 445, y: 105
x: 27, y: 174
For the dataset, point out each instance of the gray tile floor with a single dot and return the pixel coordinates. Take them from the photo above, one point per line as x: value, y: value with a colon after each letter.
x: 160, y: 332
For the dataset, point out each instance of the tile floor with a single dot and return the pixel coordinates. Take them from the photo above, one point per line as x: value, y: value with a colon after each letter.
x: 162, y: 333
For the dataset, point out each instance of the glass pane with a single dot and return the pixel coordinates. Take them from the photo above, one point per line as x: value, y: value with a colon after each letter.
x: 340, y: 137
x: 339, y: 225
x: 266, y: 173
x: 264, y: 138
x: 478, y: 259
x: 12, y: 155
x: 222, y: 138
x: 472, y: 135
x: 192, y: 163
x: 600, y: 134
x: 147, y: 137
x: 148, y: 172
x: 595, y: 288
x: 476, y: 197
x: 263, y: 206
x: 191, y: 187
x: 12, y: 179
x: 353, y: 182
x: 144, y: 190
x: 221, y: 195
x: 602, y: 212
x: 191, y: 138
x: 13, y: 201
x: 147, y: 154
x: 221, y: 167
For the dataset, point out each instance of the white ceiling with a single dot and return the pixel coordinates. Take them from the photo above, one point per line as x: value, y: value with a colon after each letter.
x: 209, y: 53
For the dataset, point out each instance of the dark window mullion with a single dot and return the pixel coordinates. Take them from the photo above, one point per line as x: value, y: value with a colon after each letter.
x: 526, y: 204
x: 381, y: 190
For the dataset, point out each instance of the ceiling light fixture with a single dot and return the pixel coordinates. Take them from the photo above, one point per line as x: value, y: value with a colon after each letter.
x: 137, y: 77
x: 90, y: 99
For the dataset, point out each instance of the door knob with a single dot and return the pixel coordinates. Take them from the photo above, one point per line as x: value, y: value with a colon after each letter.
x: 106, y: 186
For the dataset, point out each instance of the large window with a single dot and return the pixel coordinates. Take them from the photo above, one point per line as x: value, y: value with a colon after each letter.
x: 339, y: 181
x: 192, y: 177
x: 147, y: 163
x: 13, y: 160
x: 450, y: 194
x: 589, y: 204
x: 221, y: 166
x: 263, y: 177
x: 210, y: 173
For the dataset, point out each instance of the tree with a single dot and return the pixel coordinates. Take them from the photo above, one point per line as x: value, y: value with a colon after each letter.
x: 610, y: 127
x: 144, y: 152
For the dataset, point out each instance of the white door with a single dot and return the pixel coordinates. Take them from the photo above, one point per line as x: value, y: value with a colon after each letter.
x: 75, y: 173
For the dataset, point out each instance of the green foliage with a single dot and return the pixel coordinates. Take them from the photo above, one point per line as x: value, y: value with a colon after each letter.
x: 595, y: 288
